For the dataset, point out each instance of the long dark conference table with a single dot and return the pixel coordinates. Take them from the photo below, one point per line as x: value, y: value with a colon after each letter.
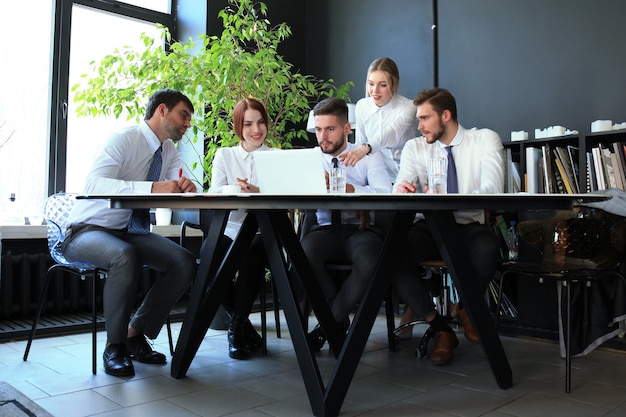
x: 290, y: 270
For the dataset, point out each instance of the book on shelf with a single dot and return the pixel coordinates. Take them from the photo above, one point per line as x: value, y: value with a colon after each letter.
x: 620, y: 169
x: 598, y: 169
x: 592, y: 182
x: 619, y: 182
x: 569, y: 178
x: 550, y: 185
x: 511, y: 174
x: 541, y: 186
x: 508, y: 178
x: 533, y: 155
x: 504, y: 230
x: 607, y: 165
x: 562, y: 176
x: 517, y: 181
x: 573, y: 154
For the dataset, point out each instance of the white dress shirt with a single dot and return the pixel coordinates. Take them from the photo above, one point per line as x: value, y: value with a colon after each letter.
x: 121, y: 167
x: 228, y: 165
x: 386, y: 129
x: 479, y: 159
x: 367, y: 176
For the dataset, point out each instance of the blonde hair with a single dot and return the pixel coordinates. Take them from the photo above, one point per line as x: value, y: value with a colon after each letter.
x: 389, y: 67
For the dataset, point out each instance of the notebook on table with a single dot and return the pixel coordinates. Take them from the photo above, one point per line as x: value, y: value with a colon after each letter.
x: 290, y: 171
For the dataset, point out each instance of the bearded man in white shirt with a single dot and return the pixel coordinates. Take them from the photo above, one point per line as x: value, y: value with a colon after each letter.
x: 478, y: 156
x: 353, y: 237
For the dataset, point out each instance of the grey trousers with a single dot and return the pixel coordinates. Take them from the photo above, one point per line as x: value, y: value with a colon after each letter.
x: 482, y: 245
x: 361, y: 248
x: 124, y: 256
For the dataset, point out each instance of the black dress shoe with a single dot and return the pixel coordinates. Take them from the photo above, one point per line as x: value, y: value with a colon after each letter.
x: 139, y: 349
x: 236, y: 338
x: 254, y: 341
x: 117, y: 361
x: 316, y: 339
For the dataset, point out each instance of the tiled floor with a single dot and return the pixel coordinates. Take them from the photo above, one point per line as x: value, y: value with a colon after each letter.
x: 58, y: 377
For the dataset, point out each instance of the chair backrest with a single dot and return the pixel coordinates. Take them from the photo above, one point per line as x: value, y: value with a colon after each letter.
x: 582, y: 238
x: 57, y: 211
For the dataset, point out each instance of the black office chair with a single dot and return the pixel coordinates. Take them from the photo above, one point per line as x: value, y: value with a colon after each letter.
x: 57, y: 209
x: 442, y: 293
x: 581, y: 246
x: 184, y: 241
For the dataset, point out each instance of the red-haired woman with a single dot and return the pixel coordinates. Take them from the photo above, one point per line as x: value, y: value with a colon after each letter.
x: 235, y: 166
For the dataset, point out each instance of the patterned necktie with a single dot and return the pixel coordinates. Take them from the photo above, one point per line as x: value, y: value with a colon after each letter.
x: 335, y: 215
x: 453, y: 183
x: 139, y: 223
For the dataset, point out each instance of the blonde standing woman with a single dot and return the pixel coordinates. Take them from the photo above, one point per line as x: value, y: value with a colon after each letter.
x: 385, y: 120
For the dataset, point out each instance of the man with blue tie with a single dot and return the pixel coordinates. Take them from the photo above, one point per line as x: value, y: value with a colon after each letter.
x: 136, y: 160
x: 475, y: 165
x: 344, y: 235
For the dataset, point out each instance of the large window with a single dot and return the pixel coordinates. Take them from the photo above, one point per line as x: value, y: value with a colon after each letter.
x: 44, y: 148
x: 92, y: 38
x: 24, y: 106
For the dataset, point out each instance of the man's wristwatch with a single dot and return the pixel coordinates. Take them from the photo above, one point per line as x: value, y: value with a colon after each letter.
x: 369, y: 148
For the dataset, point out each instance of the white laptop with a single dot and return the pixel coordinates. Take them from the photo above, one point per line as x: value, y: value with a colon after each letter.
x: 290, y: 171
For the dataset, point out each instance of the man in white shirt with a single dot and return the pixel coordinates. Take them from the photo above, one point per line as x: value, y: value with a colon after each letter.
x: 356, y: 239
x: 478, y: 156
x: 137, y: 160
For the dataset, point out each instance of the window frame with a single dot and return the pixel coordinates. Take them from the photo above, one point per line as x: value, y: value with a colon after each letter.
x: 59, y: 77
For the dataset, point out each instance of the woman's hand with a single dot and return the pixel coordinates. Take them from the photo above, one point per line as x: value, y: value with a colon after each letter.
x: 350, y: 158
x: 246, y: 187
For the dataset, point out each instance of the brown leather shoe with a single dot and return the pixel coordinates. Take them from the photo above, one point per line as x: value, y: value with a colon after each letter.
x: 468, y: 329
x: 445, y: 342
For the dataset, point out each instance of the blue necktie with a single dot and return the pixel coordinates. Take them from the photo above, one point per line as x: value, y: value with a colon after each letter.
x: 335, y: 215
x: 453, y: 183
x: 139, y: 223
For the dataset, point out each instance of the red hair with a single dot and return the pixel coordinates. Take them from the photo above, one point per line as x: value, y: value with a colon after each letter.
x: 240, y: 110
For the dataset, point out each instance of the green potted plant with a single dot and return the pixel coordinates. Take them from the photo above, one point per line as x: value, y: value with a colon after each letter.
x: 215, y: 72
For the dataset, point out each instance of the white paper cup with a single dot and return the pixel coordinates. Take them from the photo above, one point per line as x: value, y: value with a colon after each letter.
x: 231, y: 189
x: 163, y: 216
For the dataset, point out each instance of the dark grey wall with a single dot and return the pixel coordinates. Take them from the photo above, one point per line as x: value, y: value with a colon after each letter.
x: 513, y: 65
x: 345, y: 36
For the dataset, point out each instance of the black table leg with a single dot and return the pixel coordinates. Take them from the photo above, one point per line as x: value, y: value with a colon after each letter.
x: 279, y: 238
x: 209, y: 288
x: 445, y: 233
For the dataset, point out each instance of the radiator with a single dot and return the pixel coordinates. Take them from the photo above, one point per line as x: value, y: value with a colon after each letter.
x: 21, y: 281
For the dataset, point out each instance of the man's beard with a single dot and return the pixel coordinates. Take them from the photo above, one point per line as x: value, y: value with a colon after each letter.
x: 336, y: 147
x: 437, y: 134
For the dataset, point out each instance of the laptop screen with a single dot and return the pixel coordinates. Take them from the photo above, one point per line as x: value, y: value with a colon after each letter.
x: 290, y: 171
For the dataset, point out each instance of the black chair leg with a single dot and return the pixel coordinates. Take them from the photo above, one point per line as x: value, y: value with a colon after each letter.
x: 568, y: 339
x: 94, y: 322
x: 422, y: 348
x: 42, y: 300
x: 391, y: 324
x: 276, y: 308
x: 263, y: 300
x: 168, y: 325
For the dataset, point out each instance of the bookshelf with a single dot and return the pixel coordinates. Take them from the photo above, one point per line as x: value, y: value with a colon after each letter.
x: 536, y: 303
x: 576, y: 163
